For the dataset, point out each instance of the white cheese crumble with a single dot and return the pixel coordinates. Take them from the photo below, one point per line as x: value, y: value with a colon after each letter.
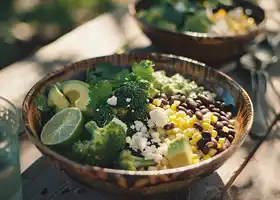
x: 119, y: 122
x: 159, y: 117
x: 138, y: 125
x: 132, y: 127
x: 112, y: 101
x: 128, y: 100
x: 97, y: 110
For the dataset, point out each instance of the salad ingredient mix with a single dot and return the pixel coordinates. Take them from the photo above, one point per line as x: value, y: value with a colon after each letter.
x: 199, y: 16
x: 134, y: 119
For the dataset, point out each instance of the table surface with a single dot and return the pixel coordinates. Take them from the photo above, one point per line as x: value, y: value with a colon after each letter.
x: 235, y: 178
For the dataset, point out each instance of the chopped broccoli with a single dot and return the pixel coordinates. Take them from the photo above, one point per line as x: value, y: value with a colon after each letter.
x: 129, y: 162
x: 103, y: 114
x: 132, y: 100
x: 83, y: 151
x: 106, y: 143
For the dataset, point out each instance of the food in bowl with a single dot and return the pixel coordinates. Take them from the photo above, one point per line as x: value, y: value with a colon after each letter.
x: 199, y: 16
x: 134, y: 118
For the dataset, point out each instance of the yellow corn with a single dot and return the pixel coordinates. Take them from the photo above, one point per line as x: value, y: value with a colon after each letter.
x: 206, y: 120
x: 157, y: 102
x: 166, y: 106
x: 181, y: 114
x: 189, y: 132
x: 152, y: 107
x: 251, y: 21
x: 176, y: 131
x: 232, y: 122
x: 192, y: 142
x: 169, y: 132
x: 180, y: 121
x: 196, y: 137
x: 172, y: 118
x: 213, y: 118
x: 211, y: 128
x: 175, y: 105
x: 192, y: 120
x: 212, y: 152
x: 194, y: 149
x: 170, y: 112
x: 221, y: 141
x: 219, y: 146
x: 206, y: 157
x: 195, y: 161
x: 210, y: 144
x: 205, y: 126
x: 214, y: 133
x: 221, y: 13
x: 225, y: 129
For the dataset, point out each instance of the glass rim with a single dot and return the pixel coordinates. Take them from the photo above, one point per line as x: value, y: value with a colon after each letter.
x: 17, y: 114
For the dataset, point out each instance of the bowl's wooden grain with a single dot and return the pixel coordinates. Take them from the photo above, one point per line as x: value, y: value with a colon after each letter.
x: 211, y: 49
x: 144, y: 182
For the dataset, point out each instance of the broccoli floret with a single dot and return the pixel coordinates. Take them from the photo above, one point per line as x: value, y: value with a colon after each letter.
x: 106, y: 143
x: 103, y: 115
x: 132, y: 100
x: 129, y: 162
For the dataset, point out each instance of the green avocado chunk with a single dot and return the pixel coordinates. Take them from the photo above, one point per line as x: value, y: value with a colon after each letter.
x: 57, y: 99
x: 77, y: 93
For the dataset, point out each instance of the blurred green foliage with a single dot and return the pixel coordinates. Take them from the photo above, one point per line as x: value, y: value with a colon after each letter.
x: 37, y: 15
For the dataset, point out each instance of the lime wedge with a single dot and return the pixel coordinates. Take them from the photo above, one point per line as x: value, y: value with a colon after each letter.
x: 63, y: 128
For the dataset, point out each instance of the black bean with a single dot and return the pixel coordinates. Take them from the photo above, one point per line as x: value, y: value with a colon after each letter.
x: 205, y: 100
x: 204, y: 111
x: 164, y: 102
x: 225, y: 123
x: 189, y: 112
x: 182, y: 108
x: 198, y: 102
x: 219, y: 125
x: 230, y: 126
x: 223, y: 118
x: 185, y: 105
x: 44, y: 191
x: 229, y: 115
x: 230, y: 138
x: 205, y: 150
x: 196, y: 109
x: 198, y: 126
x: 211, y: 107
x: 222, y: 113
x: 191, y: 103
x: 198, y: 115
x: 217, y: 103
x: 202, y: 107
x: 221, y: 133
x: 174, y: 98
x: 206, y: 134
x: 168, y: 126
x: 226, y: 107
x: 150, y: 100
x: 183, y: 98
x: 163, y: 95
x: 201, y: 143
x: 217, y: 115
x: 231, y: 132
x: 216, y: 110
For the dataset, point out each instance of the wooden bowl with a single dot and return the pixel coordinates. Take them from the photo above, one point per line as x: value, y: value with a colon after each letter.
x: 211, y: 49
x: 143, y: 182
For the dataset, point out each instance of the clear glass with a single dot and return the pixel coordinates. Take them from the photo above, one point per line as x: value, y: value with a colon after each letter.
x: 10, y: 177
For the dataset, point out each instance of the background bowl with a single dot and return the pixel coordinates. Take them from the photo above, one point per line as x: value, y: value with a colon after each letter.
x: 211, y: 49
x: 143, y: 182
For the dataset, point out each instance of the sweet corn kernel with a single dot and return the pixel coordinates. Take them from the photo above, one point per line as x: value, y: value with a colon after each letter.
x: 206, y: 120
x: 232, y: 122
x: 195, y: 161
x: 181, y: 113
x: 176, y: 131
x: 210, y: 144
x: 196, y: 137
x: 180, y: 121
x: 225, y: 129
x: 152, y: 107
x: 175, y: 105
x: 219, y: 146
x: 212, y: 152
x: 194, y: 149
x: 192, y: 142
x: 214, y: 118
x: 195, y: 156
x: 192, y: 120
x: 172, y: 118
x: 222, y: 13
x: 157, y: 102
x: 187, y: 125
x: 169, y: 132
x: 206, y: 157
x: 211, y: 128
x: 251, y: 20
x: 166, y: 107
x: 221, y: 141
x: 169, y: 112
x: 189, y: 132
x: 205, y: 126
x: 214, y: 133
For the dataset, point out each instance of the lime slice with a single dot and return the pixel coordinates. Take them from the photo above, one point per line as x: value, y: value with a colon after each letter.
x: 63, y: 128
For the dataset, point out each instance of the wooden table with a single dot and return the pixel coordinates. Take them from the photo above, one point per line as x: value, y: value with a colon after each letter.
x: 103, y: 36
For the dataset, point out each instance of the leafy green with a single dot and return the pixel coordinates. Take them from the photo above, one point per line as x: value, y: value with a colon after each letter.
x: 198, y: 22
x: 41, y: 103
x: 144, y: 69
x: 98, y: 93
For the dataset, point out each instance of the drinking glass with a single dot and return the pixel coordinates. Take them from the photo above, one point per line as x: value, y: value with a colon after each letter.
x: 10, y: 177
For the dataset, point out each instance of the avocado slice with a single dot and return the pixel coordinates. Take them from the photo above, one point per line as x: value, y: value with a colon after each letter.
x: 77, y: 93
x: 179, y: 152
x: 57, y: 99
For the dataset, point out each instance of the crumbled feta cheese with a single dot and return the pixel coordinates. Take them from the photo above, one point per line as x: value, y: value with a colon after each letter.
x: 151, y: 124
x: 132, y: 127
x: 132, y: 111
x: 159, y: 117
x: 112, y: 101
x: 138, y: 125
x: 128, y: 140
x: 128, y: 100
x: 97, y: 110
x: 155, y: 137
x: 119, y: 122
x: 148, y: 100
x: 128, y: 106
x: 162, y: 149
x: 144, y: 129
x: 158, y: 158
